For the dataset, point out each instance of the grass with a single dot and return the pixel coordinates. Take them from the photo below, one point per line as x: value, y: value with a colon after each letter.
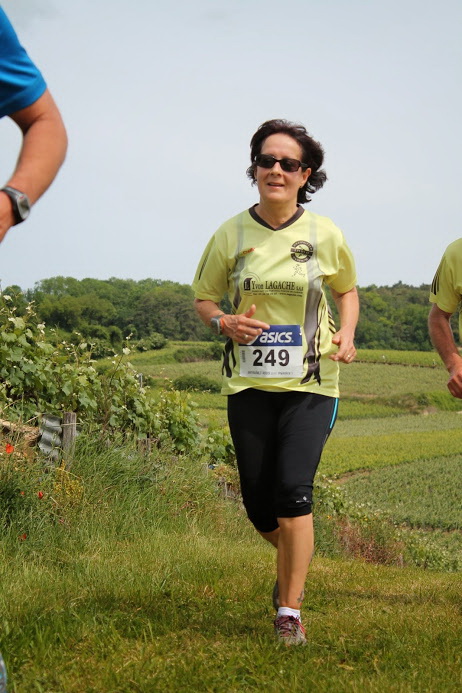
x: 423, y: 359
x: 367, y: 392
x: 145, y: 360
x: 347, y: 454
x: 170, y: 371
x: 442, y: 541
x: 437, y: 421
x: 369, y: 629
x: 131, y: 573
x: 382, y: 380
x: 355, y: 379
x: 419, y: 493
x: 363, y: 409
x: 148, y: 580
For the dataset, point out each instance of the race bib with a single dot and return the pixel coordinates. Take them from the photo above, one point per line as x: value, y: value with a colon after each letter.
x: 276, y: 353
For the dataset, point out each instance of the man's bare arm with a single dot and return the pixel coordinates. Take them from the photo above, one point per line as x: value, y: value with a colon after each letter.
x: 439, y: 327
x: 42, y: 153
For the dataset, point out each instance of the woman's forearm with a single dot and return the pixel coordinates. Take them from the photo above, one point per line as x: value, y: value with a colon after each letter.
x: 207, y: 310
x: 348, y: 308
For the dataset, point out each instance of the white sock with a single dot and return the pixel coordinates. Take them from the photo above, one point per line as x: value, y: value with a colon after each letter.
x: 287, y: 611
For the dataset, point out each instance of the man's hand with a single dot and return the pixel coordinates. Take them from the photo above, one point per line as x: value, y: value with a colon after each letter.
x: 455, y: 381
x: 439, y: 327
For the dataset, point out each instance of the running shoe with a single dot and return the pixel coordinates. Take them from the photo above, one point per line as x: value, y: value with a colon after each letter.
x: 276, y: 596
x: 289, y: 630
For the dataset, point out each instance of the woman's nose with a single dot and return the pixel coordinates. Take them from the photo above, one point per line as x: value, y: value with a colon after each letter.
x: 278, y: 169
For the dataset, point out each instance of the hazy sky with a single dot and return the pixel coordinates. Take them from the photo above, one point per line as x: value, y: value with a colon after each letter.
x: 161, y: 98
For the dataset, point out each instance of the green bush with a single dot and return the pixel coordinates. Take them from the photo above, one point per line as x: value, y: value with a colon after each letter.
x: 196, y: 382
x: 176, y: 420
x: 440, y: 400
x: 211, y: 352
x: 37, y: 376
x: 372, y: 535
x: 218, y: 447
x: 100, y: 348
x: 154, y: 341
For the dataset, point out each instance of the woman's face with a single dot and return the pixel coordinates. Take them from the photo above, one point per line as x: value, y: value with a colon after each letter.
x: 274, y: 184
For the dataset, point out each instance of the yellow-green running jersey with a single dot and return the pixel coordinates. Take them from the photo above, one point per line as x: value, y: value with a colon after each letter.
x: 446, y: 288
x: 283, y: 273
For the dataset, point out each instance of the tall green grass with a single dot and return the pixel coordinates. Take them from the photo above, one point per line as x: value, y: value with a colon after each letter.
x: 135, y: 575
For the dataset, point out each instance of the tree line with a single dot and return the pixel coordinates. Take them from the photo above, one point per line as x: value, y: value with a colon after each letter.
x: 105, y: 311
x: 395, y: 317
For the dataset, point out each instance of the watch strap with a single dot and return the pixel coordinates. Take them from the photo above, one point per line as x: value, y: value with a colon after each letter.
x: 15, y: 196
x: 216, y: 323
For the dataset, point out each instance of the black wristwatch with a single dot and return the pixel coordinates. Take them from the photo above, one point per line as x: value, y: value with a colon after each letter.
x: 20, y: 202
x: 215, y: 324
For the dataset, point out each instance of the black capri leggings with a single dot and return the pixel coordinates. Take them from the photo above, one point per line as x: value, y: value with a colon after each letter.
x: 278, y: 437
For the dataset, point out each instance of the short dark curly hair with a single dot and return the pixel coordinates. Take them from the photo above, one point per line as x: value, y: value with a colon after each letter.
x: 312, y: 153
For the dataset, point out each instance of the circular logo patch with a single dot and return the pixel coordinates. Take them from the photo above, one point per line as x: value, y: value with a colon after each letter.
x: 301, y: 251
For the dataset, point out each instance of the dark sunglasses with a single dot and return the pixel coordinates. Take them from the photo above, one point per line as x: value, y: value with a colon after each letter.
x: 288, y: 165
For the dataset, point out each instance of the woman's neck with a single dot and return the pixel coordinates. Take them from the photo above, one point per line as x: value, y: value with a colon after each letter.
x: 276, y: 215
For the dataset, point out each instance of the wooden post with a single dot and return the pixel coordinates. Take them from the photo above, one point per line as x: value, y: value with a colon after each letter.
x: 69, y: 427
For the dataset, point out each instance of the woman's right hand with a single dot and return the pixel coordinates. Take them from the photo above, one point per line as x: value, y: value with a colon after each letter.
x: 243, y: 328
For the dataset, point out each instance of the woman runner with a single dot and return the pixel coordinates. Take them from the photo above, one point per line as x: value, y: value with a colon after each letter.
x: 281, y: 359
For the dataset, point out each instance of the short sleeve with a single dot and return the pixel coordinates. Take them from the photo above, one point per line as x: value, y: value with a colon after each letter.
x: 446, y: 285
x: 211, y: 278
x: 21, y: 83
x: 344, y: 279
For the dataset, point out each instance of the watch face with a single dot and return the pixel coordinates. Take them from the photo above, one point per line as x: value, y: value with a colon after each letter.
x: 20, y: 202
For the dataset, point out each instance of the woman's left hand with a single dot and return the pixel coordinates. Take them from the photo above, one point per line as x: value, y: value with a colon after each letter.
x: 346, y: 349
x: 348, y: 308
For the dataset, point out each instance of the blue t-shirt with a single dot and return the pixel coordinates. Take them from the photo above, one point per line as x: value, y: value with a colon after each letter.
x: 21, y: 83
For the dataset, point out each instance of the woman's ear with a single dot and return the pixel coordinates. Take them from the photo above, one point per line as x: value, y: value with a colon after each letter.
x: 306, y: 175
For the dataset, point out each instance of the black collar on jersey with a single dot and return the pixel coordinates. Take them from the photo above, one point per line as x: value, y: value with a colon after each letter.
x: 287, y: 223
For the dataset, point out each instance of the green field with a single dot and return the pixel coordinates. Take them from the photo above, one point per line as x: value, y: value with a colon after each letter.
x: 381, y: 380
x: 406, y: 423
x: 133, y: 573
x: 347, y: 454
x: 394, y: 412
x: 421, y: 493
x: 369, y: 389
x: 420, y: 359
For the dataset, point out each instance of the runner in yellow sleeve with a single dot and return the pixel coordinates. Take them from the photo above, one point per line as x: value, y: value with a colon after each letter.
x: 446, y: 296
x: 281, y: 359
